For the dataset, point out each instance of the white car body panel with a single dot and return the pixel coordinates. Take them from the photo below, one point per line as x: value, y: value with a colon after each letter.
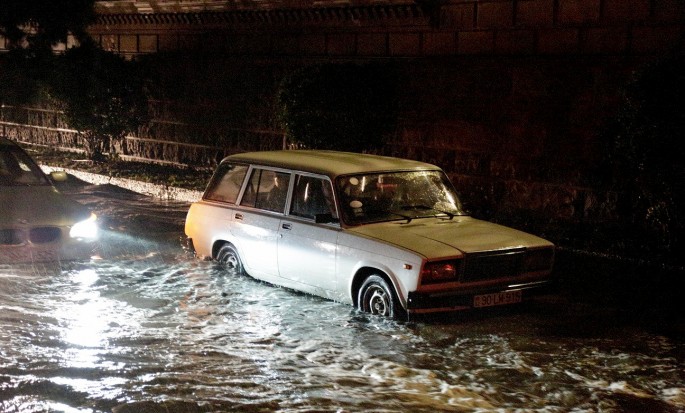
x: 316, y: 245
x: 258, y: 235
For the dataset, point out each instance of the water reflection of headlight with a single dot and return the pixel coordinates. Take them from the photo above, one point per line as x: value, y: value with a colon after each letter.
x: 87, y: 229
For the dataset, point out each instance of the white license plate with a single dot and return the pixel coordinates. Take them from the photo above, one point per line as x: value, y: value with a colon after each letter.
x: 501, y: 298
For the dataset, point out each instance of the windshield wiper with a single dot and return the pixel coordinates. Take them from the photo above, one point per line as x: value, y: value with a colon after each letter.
x: 427, y: 208
x: 384, y: 214
x: 407, y: 217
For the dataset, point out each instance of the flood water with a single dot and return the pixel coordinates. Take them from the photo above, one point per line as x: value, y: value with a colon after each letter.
x: 149, y: 328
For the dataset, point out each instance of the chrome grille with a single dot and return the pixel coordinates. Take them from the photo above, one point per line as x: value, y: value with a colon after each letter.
x: 11, y: 236
x: 493, y: 264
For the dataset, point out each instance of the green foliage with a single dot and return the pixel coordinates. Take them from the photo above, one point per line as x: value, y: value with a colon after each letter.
x: 102, y: 95
x: 21, y: 75
x: 645, y: 155
x: 42, y: 23
x: 338, y: 106
x: 31, y: 28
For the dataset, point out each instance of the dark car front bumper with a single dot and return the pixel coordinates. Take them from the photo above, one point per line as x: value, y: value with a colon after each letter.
x: 420, y: 303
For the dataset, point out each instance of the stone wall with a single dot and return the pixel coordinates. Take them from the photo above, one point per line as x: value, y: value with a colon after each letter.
x: 397, y: 28
x: 508, y: 96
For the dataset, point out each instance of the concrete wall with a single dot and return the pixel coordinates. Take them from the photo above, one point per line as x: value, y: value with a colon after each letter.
x: 508, y: 96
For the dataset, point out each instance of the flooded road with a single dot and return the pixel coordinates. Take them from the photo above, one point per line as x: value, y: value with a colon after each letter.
x: 149, y: 328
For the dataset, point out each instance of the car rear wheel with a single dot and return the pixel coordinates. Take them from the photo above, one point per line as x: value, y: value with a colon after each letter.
x: 228, y: 256
x: 377, y: 297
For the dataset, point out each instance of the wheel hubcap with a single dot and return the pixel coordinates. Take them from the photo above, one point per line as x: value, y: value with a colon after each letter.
x: 378, y: 302
x: 230, y: 260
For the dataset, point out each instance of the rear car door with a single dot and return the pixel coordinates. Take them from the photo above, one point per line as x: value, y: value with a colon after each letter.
x: 256, y: 222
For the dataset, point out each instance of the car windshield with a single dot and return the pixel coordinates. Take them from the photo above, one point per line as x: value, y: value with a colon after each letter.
x: 396, y: 196
x: 17, y: 169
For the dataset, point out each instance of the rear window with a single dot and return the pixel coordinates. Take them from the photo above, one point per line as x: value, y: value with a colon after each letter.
x: 226, y: 183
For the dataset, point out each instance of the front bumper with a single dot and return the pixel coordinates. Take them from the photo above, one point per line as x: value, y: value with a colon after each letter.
x: 29, y: 253
x: 423, y: 303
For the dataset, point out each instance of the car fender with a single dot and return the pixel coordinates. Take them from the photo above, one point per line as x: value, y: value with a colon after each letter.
x: 363, y: 268
x: 224, y: 238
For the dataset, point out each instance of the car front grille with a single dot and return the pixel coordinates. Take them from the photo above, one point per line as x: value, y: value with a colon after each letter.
x: 37, y: 235
x: 43, y: 235
x: 493, y: 264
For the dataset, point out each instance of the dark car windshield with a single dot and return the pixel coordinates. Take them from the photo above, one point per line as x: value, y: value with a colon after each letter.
x: 396, y: 196
x: 18, y: 169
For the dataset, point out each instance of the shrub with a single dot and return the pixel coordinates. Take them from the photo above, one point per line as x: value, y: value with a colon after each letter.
x: 645, y: 156
x: 338, y: 106
x: 102, y: 96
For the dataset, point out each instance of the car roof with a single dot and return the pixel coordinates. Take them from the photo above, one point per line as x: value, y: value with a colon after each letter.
x: 330, y: 163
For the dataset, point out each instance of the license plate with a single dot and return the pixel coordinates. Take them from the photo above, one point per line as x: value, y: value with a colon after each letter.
x: 501, y: 298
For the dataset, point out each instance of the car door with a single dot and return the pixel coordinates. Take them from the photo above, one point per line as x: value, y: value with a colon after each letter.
x: 307, y: 250
x: 256, y: 222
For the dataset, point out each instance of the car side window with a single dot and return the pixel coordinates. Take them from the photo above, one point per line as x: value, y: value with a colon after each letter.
x: 312, y: 196
x: 16, y: 168
x: 267, y: 190
x: 226, y: 183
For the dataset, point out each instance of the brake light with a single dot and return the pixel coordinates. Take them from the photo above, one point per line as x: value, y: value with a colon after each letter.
x: 439, y: 272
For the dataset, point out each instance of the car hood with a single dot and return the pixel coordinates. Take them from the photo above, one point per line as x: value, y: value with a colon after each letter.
x: 38, y: 205
x: 435, y: 237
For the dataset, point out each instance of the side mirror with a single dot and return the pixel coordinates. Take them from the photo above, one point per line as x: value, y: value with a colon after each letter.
x: 325, y: 219
x: 58, y: 176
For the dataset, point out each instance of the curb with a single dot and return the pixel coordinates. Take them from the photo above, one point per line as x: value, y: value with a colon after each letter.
x: 145, y: 188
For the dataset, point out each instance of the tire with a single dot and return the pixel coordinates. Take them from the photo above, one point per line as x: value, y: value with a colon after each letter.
x: 228, y: 256
x: 377, y: 297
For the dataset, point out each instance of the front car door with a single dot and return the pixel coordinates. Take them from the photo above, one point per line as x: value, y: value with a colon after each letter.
x: 307, y: 250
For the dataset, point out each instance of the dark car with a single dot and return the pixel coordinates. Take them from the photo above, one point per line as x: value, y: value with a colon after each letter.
x: 37, y: 222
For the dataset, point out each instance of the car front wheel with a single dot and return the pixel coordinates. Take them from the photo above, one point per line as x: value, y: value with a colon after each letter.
x: 228, y: 256
x: 377, y: 297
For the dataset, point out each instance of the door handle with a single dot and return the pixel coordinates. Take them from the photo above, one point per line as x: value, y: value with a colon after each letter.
x: 239, y: 216
x: 287, y: 225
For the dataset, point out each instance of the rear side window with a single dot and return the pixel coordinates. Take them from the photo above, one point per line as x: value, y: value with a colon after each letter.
x: 226, y: 183
x: 267, y: 190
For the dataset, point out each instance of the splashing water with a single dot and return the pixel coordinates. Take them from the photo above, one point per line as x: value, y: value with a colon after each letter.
x: 148, y: 327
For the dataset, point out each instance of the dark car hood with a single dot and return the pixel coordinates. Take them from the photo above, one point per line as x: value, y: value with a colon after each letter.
x: 38, y: 205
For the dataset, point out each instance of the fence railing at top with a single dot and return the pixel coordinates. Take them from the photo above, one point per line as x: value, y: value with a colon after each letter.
x: 43, y: 127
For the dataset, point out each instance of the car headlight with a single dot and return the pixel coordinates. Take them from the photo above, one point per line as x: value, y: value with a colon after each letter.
x: 439, y: 272
x: 87, y: 229
x: 540, y: 259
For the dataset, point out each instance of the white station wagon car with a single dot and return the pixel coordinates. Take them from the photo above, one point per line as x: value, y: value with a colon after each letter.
x: 385, y: 234
x: 37, y: 222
